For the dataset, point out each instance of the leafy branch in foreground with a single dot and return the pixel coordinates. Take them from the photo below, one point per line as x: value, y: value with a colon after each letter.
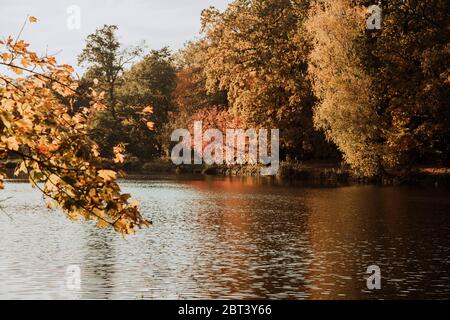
x: 52, y: 144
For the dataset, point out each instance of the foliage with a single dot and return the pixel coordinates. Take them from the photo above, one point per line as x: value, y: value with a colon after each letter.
x: 257, y: 53
x: 106, y: 62
x: 342, y: 84
x: 51, y: 141
x: 380, y: 96
x: 150, y: 82
x: 383, y: 95
x: 411, y: 71
x: 306, y: 67
x: 191, y: 92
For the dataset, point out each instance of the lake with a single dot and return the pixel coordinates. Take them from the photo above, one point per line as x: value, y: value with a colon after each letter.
x: 233, y: 238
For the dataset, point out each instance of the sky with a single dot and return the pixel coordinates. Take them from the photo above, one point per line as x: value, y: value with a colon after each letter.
x: 64, y: 24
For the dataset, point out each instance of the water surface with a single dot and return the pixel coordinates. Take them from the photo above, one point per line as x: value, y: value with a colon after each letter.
x: 226, y: 238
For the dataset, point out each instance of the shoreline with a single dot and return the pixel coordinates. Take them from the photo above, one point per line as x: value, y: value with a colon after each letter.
x: 321, y: 174
x: 316, y: 173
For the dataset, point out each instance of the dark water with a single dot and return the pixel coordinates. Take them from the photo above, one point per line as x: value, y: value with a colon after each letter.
x: 241, y: 238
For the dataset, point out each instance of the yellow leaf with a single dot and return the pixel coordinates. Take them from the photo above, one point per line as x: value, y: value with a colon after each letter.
x: 107, y: 175
x: 148, y: 110
x: 11, y: 143
x: 17, y: 70
x: 25, y: 124
x: 39, y: 82
x: 66, y: 117
x: 32, y: 19
x: 102, y: 224
x: 21, y: 168
x: 119, y: 158
x: 134, y: 203
x: 8, y: 104
x: 95, y: 151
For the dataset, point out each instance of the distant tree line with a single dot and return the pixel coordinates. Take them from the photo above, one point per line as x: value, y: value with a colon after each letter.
x: 377, y: 99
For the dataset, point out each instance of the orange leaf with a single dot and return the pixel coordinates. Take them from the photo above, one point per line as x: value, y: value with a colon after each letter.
x: 5, y: 56
x: 25, y: 62
x: 150, y: 125
x: 42, y: 148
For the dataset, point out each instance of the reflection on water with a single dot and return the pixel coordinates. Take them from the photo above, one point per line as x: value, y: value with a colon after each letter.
x: 234, y: 238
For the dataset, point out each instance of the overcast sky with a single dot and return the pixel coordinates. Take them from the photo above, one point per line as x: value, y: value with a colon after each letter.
x: 158, y: 22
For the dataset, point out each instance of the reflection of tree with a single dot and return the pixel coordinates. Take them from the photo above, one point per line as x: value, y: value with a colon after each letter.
x: 98, y: 272
x: 351, y: 229
x: 255, y: 241
x: 278, y: 234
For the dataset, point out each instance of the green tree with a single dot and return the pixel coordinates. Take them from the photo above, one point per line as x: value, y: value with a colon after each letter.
x: 150, y: 82
x: 106, y: 60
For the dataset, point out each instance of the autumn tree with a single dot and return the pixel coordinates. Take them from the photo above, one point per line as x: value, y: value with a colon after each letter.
x: 191, y: 97
x: 52, y: 143
x: 258, y: 55
x: 191, y: 92
x: 345, y: 110
x: 410, y: 65
x: 383, y: 94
